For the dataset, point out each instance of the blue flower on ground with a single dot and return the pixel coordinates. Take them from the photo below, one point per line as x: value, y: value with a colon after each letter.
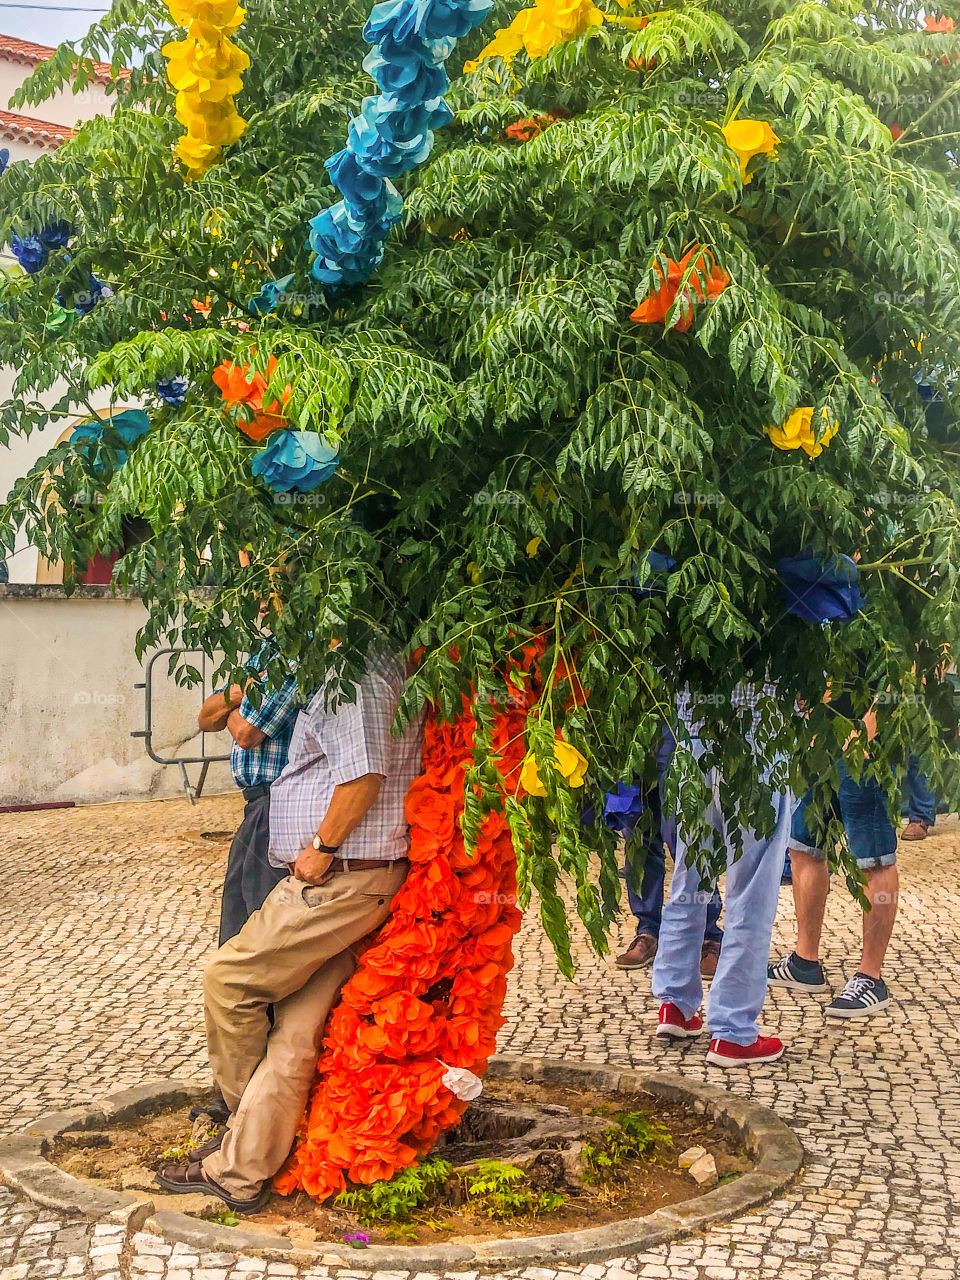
x: 820, y: 590
x: 298, y: 460
x: 172, y: 391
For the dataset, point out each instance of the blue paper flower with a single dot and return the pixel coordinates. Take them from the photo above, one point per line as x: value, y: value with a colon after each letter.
x: 4, y: 160
x: 424, y: 19
x: 56, y: 235
x: 411, y: 79
x: 370, y: 138
x: 269, y: 296
x: 622, y: 808
x: 130, y: 425
x: 660, y: 566
x: 87, y: 299
x: 818, y: 591
x: 295, y: 460
x: 29, y: 252
x: 172, y: 391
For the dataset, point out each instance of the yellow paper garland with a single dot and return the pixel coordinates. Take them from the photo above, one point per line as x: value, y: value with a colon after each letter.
x: 206, y: 68
x: 547, y: 24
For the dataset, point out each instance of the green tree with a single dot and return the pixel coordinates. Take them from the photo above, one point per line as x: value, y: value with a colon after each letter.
x: 512, y: 444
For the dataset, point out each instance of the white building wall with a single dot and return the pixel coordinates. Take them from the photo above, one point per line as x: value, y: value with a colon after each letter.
x: 68, y: 704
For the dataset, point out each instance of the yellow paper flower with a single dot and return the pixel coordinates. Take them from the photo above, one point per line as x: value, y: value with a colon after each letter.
x: 533, y: 546
x: 749, y: 138
x: 571, y: 764
x: 797, y: 433
x: 206, y: 70
x: 540, y: 29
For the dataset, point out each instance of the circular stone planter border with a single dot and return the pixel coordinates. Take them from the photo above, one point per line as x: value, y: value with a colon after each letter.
x: 777, y: 1153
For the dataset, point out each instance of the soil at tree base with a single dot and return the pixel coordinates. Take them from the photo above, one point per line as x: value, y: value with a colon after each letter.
x: 638, y: 1187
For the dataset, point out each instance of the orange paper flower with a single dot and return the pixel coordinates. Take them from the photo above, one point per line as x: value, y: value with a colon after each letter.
x: 242, y: 391
x: 707, y: 280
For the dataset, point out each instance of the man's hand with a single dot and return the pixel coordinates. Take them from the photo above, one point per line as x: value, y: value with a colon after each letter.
x: 311, y: 865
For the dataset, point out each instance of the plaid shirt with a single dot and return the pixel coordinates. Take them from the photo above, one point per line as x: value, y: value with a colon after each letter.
x: 275, y: 718
x: 330, y: 748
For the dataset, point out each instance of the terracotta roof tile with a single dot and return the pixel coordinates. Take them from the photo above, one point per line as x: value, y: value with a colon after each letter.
x: 15, y: 50
x: 42, y: 132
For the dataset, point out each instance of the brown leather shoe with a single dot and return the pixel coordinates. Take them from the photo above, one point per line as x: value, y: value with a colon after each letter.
x: 640, y: 953
x: 709, y: 958
x: 915, y: 830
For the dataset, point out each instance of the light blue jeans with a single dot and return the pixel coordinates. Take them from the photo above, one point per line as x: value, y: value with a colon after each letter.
x: 739, y: 986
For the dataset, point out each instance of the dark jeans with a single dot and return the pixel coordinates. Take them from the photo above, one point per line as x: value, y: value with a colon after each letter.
x: 921, y: 803
x: 647, y: 905
x: 250, y: 877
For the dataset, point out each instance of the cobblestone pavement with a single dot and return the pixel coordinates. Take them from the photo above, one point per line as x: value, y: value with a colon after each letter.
x: 106, y: 910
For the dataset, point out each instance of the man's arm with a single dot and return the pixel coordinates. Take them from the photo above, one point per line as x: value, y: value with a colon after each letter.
x: 349, y: 805
x: 217, y: 709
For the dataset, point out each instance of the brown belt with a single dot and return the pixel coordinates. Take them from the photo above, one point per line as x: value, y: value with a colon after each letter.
x: 362, y: 864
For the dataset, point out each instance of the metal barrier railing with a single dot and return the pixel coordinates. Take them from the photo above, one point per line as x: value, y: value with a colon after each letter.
x: 192, y: 792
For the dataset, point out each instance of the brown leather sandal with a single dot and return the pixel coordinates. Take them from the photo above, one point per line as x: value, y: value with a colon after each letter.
x: 188, y: 1177
x: 208, y: 1147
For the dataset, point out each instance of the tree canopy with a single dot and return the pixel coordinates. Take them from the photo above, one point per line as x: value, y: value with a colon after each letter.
x: 587, y: 322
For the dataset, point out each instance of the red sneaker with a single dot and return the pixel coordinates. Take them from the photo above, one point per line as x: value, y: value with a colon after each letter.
x: 724, y: 1053
x: 674, y: 1026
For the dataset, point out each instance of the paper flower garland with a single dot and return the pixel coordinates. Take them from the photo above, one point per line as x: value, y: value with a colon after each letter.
x: 428, y: 990
x: 707, y: 280
x: 797, y: 433
x: 205, y: 69
x: 394, y: 132
x: 527, y: 130
x: 820, y: 591
x: 295, y: 461
x: 749, y: 138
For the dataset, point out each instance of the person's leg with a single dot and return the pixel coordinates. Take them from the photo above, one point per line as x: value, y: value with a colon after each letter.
x: 753, y: 893
x: 921, y: 804
x: 676, y: 970
x: 233, y: 909
x: 801, y: 969
x: 811, y: 884
x: 713, y: 933
x: 261, y: 1133
x: 298, y: 929
x: 873, y: 842
x: 259, y: 878
x: 883, y: 893
x: 647, y: 863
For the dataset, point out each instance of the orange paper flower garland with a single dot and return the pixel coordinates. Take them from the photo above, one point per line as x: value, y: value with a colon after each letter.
x: 707, y: 280
x: 429, y: 987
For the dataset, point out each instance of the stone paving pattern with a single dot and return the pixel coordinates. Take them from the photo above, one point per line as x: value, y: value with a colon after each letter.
x: 106, y: 910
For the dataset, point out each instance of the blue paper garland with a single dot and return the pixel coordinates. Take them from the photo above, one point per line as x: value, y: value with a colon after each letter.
x: 394, y: 132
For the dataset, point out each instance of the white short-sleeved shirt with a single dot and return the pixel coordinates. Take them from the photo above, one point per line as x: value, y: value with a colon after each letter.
x: 330, y: 748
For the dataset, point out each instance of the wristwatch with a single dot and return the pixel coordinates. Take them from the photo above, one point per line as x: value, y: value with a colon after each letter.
x: 324, y: 848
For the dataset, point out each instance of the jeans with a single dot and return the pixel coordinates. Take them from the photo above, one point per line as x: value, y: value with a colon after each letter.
x: 250, y: 877
x: 753, y: 892
x: 647, y: 904
x: 866, y: 819
x: 921, y: 801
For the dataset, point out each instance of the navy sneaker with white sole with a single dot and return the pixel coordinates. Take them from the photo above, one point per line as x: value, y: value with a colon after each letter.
x: 861, y: 997
x: 787, y: 973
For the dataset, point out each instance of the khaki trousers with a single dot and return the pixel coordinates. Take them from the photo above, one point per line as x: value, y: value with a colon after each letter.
x: 295, y: 953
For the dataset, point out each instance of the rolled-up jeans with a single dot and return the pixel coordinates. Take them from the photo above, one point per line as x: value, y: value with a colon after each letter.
x: 739, y: 987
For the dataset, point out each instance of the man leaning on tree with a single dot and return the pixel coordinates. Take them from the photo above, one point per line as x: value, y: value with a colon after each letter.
x: 337, y: 827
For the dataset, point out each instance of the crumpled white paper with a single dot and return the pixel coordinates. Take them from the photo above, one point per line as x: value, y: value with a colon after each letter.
x: 463, y: 1084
